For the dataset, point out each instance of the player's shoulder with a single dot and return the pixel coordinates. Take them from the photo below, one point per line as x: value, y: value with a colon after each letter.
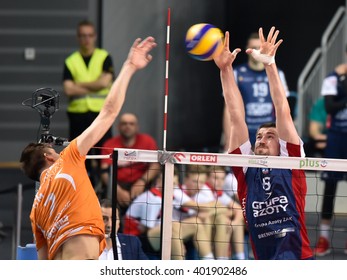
x: 331, y: 75
x: 70, y: 149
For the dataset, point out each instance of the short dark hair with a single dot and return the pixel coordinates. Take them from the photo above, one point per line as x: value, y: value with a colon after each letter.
x: 33, y: 159
x: 106, y: 203
x: 215, y: 169
x: 266, y: 125
x: 84, y: 22
x: 195, y: 169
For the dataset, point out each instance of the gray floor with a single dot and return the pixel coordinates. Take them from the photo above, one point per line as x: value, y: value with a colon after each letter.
x: 8, y: 202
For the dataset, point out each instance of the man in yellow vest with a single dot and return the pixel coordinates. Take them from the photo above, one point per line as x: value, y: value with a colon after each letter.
x: 88, y: 75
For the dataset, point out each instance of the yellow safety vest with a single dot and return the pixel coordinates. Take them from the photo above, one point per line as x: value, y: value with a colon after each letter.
x: 81, y: 73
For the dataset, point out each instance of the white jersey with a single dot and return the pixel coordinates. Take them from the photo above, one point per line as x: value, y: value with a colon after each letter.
x: 204, y: 195
x: 208, y: 194
x: 230, y: 185
x: 180, y: 198
x: 146, y: 208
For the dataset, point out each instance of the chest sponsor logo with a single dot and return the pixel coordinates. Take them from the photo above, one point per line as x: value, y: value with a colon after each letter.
x: 274, y: 205
x: 259, y: 109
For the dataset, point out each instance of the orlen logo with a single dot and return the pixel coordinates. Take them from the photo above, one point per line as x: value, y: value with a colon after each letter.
x: 312, y: 163
x: 178, y: 156
x: 203, y: 158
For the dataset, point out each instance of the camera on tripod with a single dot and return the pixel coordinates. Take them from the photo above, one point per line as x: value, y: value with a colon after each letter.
x: 46, y: 99
x: 46, y: 102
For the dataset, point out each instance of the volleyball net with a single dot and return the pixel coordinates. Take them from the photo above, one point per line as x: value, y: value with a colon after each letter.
x: 177, y: 163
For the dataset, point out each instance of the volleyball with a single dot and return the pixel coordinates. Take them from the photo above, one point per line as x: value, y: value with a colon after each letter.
x: 203, y: 41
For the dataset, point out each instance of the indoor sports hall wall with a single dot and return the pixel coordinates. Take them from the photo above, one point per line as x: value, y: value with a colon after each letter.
x: 195, y: 102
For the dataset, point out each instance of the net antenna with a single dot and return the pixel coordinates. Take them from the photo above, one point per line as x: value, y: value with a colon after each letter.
x: 167, y: 192
x: 166, y: 76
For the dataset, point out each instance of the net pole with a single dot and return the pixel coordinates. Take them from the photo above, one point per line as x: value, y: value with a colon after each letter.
x: 166, y: 224
x: 167, y: 55
x: 167, y: 209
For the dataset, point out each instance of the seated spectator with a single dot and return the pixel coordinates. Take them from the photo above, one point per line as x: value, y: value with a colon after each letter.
x: 132, y: 177
x: 212, y: 213
x: 230, y: 185
x: 215, y: 182
x: 143, y: 219
x: 128, y: 246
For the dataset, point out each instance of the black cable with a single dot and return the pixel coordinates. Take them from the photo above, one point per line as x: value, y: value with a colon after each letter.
x: 114, y: 202
x: 162, y: 213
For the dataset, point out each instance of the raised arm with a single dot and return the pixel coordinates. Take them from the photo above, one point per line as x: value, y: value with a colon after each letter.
x: 266, y: 54
x: 138, y: 58
x: 237, y: 126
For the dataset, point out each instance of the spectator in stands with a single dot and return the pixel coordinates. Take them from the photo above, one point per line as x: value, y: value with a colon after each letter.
x: 143, y: 219
x: 132, y: 177
x: 334, y: 91
x: 254, y: 87
x: 66, y: 215
x: 129, y: 247
x: 87, y: 78
x: 215, y: 182
x: 215, y: 216
x: 317, y: 129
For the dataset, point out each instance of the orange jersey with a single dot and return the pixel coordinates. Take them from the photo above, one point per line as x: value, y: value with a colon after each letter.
x: 66, y: 204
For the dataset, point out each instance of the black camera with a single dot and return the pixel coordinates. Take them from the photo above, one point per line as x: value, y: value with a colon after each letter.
x: 45, y: 99
x: 46, y: 102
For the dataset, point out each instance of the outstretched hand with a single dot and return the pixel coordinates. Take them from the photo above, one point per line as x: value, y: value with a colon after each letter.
x: 226, y: 58
x: 268, y: 47
x: 139, y: 55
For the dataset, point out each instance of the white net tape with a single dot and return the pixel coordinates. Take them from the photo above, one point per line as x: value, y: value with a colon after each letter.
x: 318, y: 164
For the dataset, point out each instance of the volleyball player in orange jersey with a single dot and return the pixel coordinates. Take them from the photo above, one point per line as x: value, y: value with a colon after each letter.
x: 66, y: 217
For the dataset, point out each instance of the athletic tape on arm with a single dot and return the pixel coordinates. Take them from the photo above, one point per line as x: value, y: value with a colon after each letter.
x: 266, y: 59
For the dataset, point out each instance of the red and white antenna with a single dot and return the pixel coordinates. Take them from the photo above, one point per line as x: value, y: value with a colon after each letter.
x: 166, y: 77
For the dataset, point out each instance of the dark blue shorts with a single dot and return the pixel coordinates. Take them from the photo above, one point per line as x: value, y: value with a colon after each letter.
x: 336, y: 148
